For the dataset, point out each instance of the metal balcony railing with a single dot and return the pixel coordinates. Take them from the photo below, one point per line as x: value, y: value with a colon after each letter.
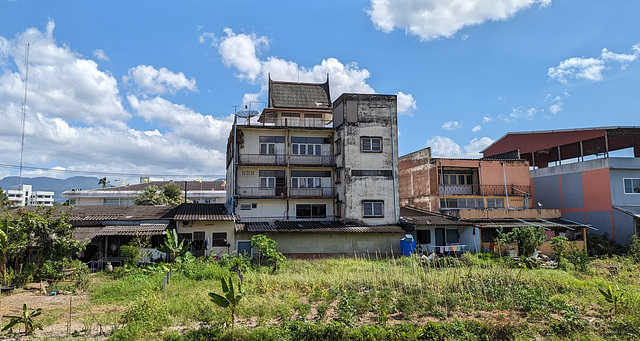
x: 313, y: 192
x: 483, y: 190
x: 295, y: 122
x: 261, y: 192
x: 281, y: 160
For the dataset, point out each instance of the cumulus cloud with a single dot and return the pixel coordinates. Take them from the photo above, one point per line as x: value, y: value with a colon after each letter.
x: 100, y: 55
x: 61, y: 82
x: 591, y: 68
x: 240, y: 51
x: 432, y: 19
x: 451, y: 125
x: 76, y: 120
x: 154, y: 81
x: 442, y: 146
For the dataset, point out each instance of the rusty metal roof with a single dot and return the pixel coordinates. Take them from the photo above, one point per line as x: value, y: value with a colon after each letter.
x: 132, y: 230
x: 421, y: 217
x: 316, y: 227
x: 85, y: 234
x: 201, y: 212
x: 137, y: 212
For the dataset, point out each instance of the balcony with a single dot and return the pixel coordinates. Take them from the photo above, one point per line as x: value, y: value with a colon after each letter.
x: 261, y: 192
x: 281, y: 160
x: 312, y: 193
x: 483, y: 190
x: 263, y: 159
x: 294, y: 122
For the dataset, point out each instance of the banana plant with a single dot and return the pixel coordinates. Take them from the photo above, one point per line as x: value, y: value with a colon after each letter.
x: 230, y: 300
x: 26, y: 318
x: 172, y: 247
x: 614, y: 296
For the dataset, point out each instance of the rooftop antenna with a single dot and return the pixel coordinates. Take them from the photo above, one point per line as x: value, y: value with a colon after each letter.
x: 24, y: 105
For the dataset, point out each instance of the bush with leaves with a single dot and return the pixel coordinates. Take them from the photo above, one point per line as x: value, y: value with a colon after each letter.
x: 559, y: 246
x: 634, y: 249
x: 268, y: 255
x: 133, y: 251
x: 580, y: 259
x: 528, y: 239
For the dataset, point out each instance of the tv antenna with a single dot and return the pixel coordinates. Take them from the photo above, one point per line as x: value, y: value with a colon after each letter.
x: 24, y: 106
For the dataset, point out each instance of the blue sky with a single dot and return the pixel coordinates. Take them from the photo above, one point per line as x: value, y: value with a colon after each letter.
x: 121, y: 88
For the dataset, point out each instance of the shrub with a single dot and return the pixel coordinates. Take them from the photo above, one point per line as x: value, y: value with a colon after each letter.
x: 528, y: 239
x: 268, y: 255
x: 634, y: 249
x: 559, y: 246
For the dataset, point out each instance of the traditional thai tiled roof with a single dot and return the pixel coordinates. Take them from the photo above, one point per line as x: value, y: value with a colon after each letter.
x: 202, y: 212
x: 316, y: 227
x: 299, y: 95
x: 421, y: 217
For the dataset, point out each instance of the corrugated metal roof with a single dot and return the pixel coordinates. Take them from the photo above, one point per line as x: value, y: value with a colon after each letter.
x: 316, y: 227
x: 201, y: 212
x: 299, y: 95
x: 630, y: 210
x: 132, y: 230
x: 102, y: 212
x: 85, y: 234
x: 548, y: 223
x: 190, y: 185
x: 417, y: 216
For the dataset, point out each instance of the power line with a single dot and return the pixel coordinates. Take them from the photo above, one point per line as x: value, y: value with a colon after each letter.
x: 55, y: 170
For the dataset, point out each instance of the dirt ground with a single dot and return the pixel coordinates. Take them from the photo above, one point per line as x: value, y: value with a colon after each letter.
x: 55, y: 311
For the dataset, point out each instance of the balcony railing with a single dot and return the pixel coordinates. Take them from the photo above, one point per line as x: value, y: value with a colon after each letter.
x: 295, y: 122
x: 281, y: 160
x: 314, y: 192
x: 263, y: 159
x: 483, y: 190
x: 261, y: 192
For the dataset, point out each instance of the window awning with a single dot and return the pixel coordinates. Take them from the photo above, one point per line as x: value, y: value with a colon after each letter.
x: 633, y: 211
x: 133, y: 230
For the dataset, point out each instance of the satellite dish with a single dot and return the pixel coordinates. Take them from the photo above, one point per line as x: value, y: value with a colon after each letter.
x: 246, y: 113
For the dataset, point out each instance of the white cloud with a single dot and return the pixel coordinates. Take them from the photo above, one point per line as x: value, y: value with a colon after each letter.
x: 476, y: 128
x: 487, y: 119
x: 442, y: 146
x: 555, y: 108
x: 451, y: 125
x: 61, y: 83
x: 100, y: 55
x: 76, y: 120
x: 521, y: 112
x: 159, y: 81
x: 406, y: 103
x: 432, y: 19
x: 240, y: 51
x: 591, y: 68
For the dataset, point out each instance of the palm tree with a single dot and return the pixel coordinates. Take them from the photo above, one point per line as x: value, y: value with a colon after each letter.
x: 103, y: 182
x: 150, y: 196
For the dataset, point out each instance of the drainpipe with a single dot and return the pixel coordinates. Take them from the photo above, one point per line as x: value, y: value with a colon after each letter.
x: 393, y: 166
x: 444, y: 187
x: 504, y: 176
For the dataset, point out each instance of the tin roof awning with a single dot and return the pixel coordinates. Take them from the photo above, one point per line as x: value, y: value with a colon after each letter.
x: 133, y: 230
x: 633, y: 211
x: 546, y: 224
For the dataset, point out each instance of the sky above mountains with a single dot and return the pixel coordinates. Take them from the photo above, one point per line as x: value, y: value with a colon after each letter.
x: 129, y: 88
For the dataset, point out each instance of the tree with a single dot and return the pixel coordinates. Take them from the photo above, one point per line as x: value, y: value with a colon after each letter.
x: 4, y: 199
x: 150, y: 196
x: 172, y: 247
x: 528, y: 239
x: 103, y: 182
x: 172, y: 194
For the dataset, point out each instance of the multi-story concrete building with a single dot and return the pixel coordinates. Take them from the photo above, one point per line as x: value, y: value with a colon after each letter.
x: 310, y: 165
x: 199, y: 192
x: 592, y: 175
x: 484, y: 194
x: 24, y: 196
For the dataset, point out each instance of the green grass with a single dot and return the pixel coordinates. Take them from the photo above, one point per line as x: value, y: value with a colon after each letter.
x: 479, y: 297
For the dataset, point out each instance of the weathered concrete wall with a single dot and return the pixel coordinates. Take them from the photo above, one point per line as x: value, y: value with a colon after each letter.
x: 276, y: 209
x: 306, y: 245
x: 368, y: 175
x: 415, y: 178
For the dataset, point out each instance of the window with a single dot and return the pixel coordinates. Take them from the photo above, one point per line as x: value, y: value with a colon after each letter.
x: 372, y: 208
x: 455, y: 179
x: 338, y: 210
x: 289, y: 115
x: 495, y: 203
x: 452, y: 236
x: 311, y: 211
x: 270, y: 179
x: 219, y: 239
x: 631, y: 186
x: 424, y: 236
x: 267, y: 182
x: 313, y: 116
x: 247, y: 173
x: 268, y: 144
x: 371, y: 144
x: 338, y: 175
x: 307, y: 145
x: 338, y: 146
x: 309, y: 179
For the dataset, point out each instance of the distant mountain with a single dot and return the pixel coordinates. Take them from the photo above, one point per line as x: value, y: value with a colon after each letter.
x: 51, y: 184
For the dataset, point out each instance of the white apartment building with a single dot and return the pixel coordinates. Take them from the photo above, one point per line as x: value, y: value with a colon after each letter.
x: 25, y: 196
x: 202, y: 192
x: 308, y: 159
